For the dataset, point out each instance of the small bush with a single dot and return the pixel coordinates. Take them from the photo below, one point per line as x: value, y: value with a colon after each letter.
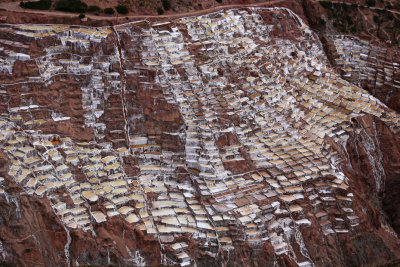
x: 7, y: 264
x: 121, y: 9
x: 337, y: 6
x: 109, y: 10
x: 326, y: 4
x: 370, y: 2
x: 349, y: 20
x: 322, y: 22
x: 160, y: 11
x: 94, y: 9
x: 376, y: 19
x: 74, y: 6
x: 166, y: 4
x: 390, y: 15
x: 42, y: 4
x: 353, y: 7
x: 219, y: 1
x: 81, y: 16
x: 341, y: 27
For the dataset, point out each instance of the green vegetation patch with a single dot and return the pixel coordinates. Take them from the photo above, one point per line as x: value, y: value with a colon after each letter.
x: 326, y: 4
x: 74, y: 6
x: 42, y: 4
x: 121, y: 9
x: 370, y: 2
x: 109, y: 10
x: 321, y: 22
x: 94, y: 9
x: 166, y: 4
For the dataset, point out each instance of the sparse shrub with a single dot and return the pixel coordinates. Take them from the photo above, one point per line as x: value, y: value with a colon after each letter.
x: 81, y: 16
x: 322, y: 22
x: 109, y: 10
x: 7, y: 264
x: 336, y: 6
x: 42, y: 4
x: 166, y: 4
x: 390, y: 15
x: 94, y: 9
x: 121, y: 9
x: 160, y: 11
x: 74, y: 6
x: 342, y: 28
x: 376, y: 19
x: 326, y: 4
x: 370, y: 2
x: 354, y: 6
x: 349, y: 20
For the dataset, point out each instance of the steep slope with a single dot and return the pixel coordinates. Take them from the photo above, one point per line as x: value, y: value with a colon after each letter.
x: 223, y: 139
x: 361, y: 41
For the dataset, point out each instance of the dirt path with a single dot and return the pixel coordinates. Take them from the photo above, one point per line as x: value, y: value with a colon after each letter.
x: 14, y: 7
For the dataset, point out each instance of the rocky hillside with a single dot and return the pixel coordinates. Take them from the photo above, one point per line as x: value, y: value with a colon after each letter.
x: 361, y: 39
x: 225, y: 139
